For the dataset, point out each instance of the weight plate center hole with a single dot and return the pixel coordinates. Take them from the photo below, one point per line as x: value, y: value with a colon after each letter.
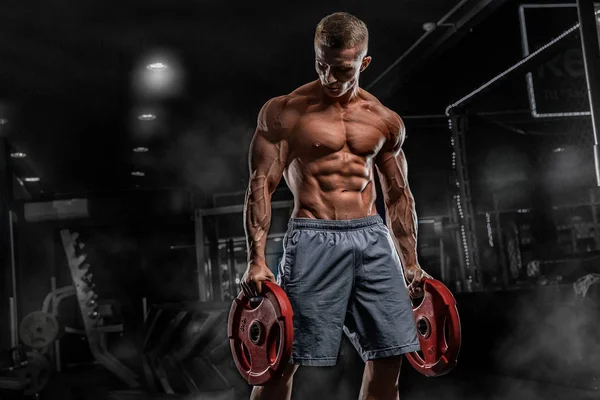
x: 255, y: 332
x: 423, y: 327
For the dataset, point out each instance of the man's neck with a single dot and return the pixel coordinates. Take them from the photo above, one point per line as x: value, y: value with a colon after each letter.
x: 348, y: 98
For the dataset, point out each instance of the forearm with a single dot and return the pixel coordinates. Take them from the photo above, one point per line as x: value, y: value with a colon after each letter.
x: 257, y: 217
x: 403, y: 223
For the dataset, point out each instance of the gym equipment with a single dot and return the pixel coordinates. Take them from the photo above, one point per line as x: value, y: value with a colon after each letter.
x: 439, y: 331
x: 36, y: 373
x: 29, y: 373
x: 186, y: 351
x: 93, y: 321
x: 261, y: 337
x: 38, y: 329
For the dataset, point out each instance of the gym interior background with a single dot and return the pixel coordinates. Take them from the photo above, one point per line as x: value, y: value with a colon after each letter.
x: 124, y: 136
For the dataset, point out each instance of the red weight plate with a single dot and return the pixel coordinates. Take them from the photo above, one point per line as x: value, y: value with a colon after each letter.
x: 261, y: 337
x: 438, y: 326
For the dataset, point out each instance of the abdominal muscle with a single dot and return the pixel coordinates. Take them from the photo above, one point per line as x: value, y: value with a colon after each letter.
x: 338, y: 187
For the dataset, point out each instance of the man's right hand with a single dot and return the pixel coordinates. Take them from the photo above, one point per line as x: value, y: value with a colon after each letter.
x: 255, y: 274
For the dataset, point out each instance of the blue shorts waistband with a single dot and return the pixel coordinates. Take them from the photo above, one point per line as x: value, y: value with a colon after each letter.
x: 335, y: 225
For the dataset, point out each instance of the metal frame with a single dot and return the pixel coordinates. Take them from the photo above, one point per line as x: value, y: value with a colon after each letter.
x: 202, y: 267
x: 201, y: 271
x: 526, y: 53
x: 465, y: 217
x: 591, y: 60
x: 470, y: 17
x: 14, y: 312
x: 458, y: 125
x: 6, y: 183
x: 521, y: 66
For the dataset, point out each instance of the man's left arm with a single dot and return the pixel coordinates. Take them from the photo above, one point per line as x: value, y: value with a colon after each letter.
x: 401, y: 215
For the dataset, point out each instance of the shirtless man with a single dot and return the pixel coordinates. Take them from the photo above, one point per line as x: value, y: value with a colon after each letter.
x: 343, y: 269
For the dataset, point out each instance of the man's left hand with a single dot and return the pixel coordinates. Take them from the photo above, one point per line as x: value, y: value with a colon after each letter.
x: 414, y: 276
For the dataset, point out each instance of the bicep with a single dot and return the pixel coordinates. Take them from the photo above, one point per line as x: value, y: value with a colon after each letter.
x: 267, y: 157
x: 391, y: 161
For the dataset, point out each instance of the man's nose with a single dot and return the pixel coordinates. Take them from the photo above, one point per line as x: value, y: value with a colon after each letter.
x: 329, y: 78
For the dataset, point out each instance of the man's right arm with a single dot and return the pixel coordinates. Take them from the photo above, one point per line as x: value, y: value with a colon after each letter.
x: 267, y: 159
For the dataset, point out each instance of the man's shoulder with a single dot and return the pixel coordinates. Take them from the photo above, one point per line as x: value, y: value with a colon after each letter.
x: 307, y: 89
x: 299, y: 95
x: 273, y: 106
x: 377, y: 106
x: 396, y: 128
x: 279, y: 114
x: 288, y: 105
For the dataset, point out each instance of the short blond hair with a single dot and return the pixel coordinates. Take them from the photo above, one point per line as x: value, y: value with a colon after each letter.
x: 341, y: 30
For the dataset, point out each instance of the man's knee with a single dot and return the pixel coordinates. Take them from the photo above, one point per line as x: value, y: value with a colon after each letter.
x: 380, y: 379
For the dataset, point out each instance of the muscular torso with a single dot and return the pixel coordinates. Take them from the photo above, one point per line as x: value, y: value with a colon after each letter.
x: 331, y: 153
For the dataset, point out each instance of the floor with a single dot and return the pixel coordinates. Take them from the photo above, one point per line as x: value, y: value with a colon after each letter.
x: 313, y: 385
x: 491, y: 387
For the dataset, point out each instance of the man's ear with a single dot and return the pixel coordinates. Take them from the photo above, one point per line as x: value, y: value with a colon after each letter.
x: 365, y: 63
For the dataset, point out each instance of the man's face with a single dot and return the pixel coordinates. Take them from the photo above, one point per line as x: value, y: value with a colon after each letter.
x: 339, y: 69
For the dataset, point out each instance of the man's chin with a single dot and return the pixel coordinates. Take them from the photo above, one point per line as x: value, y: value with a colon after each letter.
x: 334, y: 93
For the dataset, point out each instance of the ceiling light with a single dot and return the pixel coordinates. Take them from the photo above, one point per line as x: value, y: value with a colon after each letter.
x: 32, y: 179
x: 147, y: 117
x: 429, y: 26
x: 18, y: 155
x: 157, y: 66
x: 140, y: 150
x: 138, y: 173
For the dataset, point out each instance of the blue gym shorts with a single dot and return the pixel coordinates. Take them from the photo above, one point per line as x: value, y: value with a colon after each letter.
x: 345, y: 276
